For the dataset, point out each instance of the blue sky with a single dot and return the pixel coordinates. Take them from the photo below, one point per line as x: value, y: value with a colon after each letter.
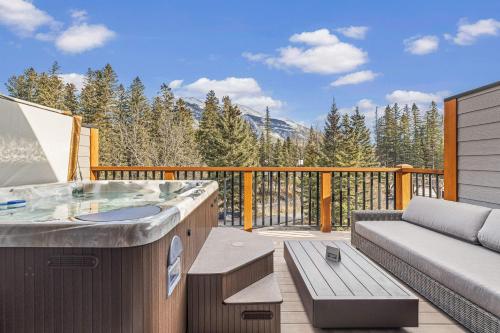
x: 294, y: 56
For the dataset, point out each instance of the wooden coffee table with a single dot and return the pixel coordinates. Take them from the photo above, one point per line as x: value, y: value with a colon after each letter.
x: 353, y: 293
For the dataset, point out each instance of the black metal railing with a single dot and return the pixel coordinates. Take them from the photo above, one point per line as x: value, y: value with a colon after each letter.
x: 292, y: 196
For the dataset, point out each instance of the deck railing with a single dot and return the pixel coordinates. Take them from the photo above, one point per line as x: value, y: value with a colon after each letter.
x: 265, y: 196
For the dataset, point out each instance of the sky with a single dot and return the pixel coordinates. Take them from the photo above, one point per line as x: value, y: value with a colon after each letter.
x: 293, y: 56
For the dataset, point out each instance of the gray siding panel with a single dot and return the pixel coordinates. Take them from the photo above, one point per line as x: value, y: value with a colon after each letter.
x: 479, y: 203
x: 478, y: 148
x: 84, y: 151
x: 480, y: 101
x: 479, y: 178
x: 480, y: 193
x: 479, y: 132
x: 84, y: 154
x: 85, y: 131
x: 479, y: 163
x: 485, y: 116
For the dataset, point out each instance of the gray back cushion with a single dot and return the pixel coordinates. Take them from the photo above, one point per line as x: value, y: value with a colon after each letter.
x: 457, y: 219
x: 489, y: 235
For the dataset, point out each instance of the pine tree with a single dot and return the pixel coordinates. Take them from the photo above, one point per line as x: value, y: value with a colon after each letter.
x: 119, y: 123
x: 312, y: 150
x: 406, y: 136
x: 433, y: 138
x: 70, y: 98
x: 136, y: 132
x: 417, y: 137
x: 266, y: 151
x: 50, y: 88
x: 363, y: 153
x: 332, y: 137
x: 188, y: 153
x: 23, y: 86
x: 237, y: 144
x: 208, y: 134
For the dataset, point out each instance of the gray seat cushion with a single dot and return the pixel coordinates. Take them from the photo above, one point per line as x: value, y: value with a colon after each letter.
x: 470, y: 270
x: 457, y: 219
x: 489, y: 235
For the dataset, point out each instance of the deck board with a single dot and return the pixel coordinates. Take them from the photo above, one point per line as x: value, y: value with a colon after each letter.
x: 432, y: 320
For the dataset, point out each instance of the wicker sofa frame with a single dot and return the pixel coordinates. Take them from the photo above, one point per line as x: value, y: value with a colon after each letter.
x: 459, y: 308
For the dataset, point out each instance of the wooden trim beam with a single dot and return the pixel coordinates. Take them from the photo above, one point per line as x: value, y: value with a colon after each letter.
x: 94, y: 152
x: 424, y: 171
x: 403, y: 186
x: 450, y: 150
x: 74, y: 147
x: 247, y: 200
x: 326, y: 202
x: 242, y: 169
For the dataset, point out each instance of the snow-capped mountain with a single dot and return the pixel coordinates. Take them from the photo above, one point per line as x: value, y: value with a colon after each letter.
x: 281, y: 128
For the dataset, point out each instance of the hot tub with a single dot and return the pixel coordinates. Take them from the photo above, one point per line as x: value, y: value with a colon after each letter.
x: 95, y: 256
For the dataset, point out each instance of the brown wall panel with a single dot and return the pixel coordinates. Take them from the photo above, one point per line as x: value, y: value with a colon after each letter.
x: 126, y: 292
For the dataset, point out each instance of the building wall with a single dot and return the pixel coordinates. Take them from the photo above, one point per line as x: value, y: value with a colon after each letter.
x: 34, y: 143
x: 84, y: 154
x: 478, y: 147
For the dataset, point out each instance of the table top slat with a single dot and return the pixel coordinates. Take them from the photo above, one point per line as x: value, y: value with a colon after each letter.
x: 335, y: 274
x: 312, y: 276
x: 356, y: 279
x: 383, y: 279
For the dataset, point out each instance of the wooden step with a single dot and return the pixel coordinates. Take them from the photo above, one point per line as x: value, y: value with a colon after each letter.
x: 231, y: 285
x: 227, y: 249
x: 238, y: 257
x: 266, y: 290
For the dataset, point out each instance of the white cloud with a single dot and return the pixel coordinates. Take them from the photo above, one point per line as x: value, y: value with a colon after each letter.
x: 468, y: 33
x: 422, y: 99
x: 79, y: 15
x: 175, y: 84
x: 254, y: 56
x: 421, y: 45
x: 354, y: 78
x: 76, y: 78
x: 83, y: 37
x: 23, y: 17
x: 244, y: 91
x: 323, y: 54
x: 366, y: 104
x: 356, y: 32
x: 318, y: 37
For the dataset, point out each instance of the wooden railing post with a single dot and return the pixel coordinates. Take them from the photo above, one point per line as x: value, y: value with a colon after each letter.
x: 168, y: 175
x: 94, y: 151
x: 326, y: 202
x: 247, y: 200
x: 74, y: 147
x: 403, y: 186
x: 450, y: 150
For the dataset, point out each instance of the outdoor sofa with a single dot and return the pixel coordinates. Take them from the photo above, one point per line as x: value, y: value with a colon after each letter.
x: 447, y: 251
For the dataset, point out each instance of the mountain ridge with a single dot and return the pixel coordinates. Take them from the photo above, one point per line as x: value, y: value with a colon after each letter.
x: 281, y: 128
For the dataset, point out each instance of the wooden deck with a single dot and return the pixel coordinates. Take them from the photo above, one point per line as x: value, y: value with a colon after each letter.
x: 293, y: 316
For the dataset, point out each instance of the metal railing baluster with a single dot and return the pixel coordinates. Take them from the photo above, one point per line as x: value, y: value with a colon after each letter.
x: 294, y: 194
x: 286, y: 197
x: 348, y: 199
x: 279, y: 196
x: 371, y: 190
x: 271, y: 198
x: 341, y: 205
x: 302, y: 197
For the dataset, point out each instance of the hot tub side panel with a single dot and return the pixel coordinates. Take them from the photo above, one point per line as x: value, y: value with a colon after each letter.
x: 59, y: 289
